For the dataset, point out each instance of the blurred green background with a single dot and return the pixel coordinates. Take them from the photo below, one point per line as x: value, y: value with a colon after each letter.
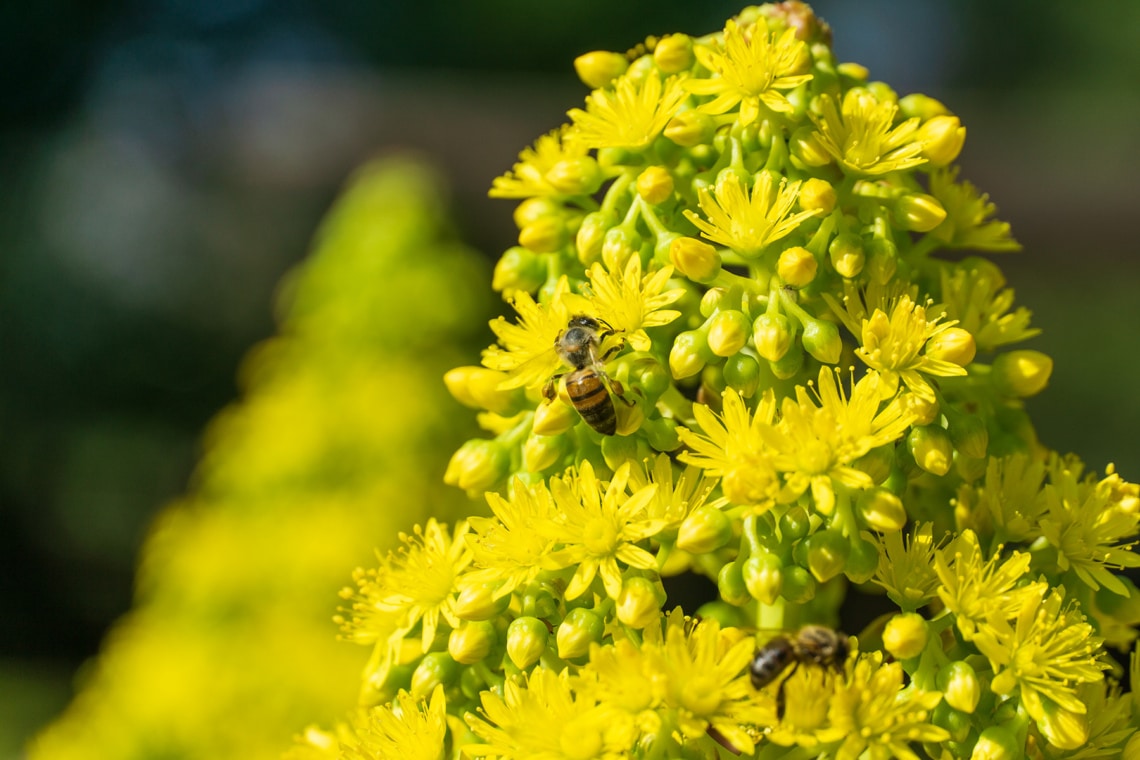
x: 163, y: 162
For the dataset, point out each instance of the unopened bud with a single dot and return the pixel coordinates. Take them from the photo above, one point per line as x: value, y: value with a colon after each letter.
x: 580, y: 628
x: 728, y: 332
x: 477, y: 602
x: 905, y: 635
x: 883, y: 260
x: 942, y: 138
x: 477, y: 466
x: 969, y: 435
x: 526, y: 641
x: 919, y: 212
x: 543, y: 451
x: 797, y: 266
x: 600, y: 67
x: 954, y: 345
x: 807, y: 148
x: 882, y: 510
x: 1062, y: 728
x: 519, y: 269
x: 799, y: 586
x: 689, y: 354
x: 478, y: 388
x: 821, y: 340
x: 827, y: 552
x: 877, y: 463
x: 619, y: 244
x: 817, y: 195
x: 923, y: 409
x: 575, y: 176
x: 639, y: 604
x: 846, y: 254
x: 772, y: 334
x: 471, y: 642
x: 763, y: 577
x: 591, y: 235
x: 931, y: 448
x: 533, y: 209
x: 690, y: 128
x: 553, y: 418
x: 674, y: 53
x: 742, y: 372
x: 960, y: 686
x: 997, y: 743
x: 695, y: 259
x: 922, y: 106
x: 705, y: 530
x: 1022, y: 373
x: 789, y: 364
x: 545, y: 235
x: 655, y: 185
x: 436, y: 668
x: 862, y: 562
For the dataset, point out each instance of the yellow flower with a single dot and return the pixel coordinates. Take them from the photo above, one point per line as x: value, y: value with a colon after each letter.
x: 968, y: 223
x: 630, y: 116
x: 752, y: 68
x: 527, y: 353
x: 507, y: 548
x: 732, y: 447
x: 408, y: 728
x: 974, y: 295
x: 747, y: 221
x: 678, y: 495
x: 1009, y: 497
x: 630, y: 303
x: 892, y: 345
x: 906, y: 571
x: 860, y: 134
x: 599, y: 524
x: 527, y: 178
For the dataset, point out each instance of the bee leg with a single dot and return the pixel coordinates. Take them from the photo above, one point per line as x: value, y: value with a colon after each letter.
x: 780, y: 704
x: 548, y: 389
x: 619, y: 391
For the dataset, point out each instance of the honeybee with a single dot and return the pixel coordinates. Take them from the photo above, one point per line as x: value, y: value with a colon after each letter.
x: 812, y: 645
x: 579, y: 347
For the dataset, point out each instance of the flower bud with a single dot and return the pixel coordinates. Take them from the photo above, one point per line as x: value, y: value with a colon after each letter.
x: 931, y: 448
x: 730, y: 584
x: 794, y: 524
x: 639, y: 603
x: 817, y: 195
x: 553, y: 418
x: 526, y: 641
x: 600, y: 67
x: 798, y: 586
x: 690, y: 128
x: 689, y: 354
x: 471, y: 642
x: 942, y: 138
x: 883, y: 260
x: 655, y: 185
x: 924, y: 410
x: 863, y: 560
x: 827, y: 552
x: 580, y: 628
x: 477, y: 601
x: 905, y: 635
x: 952, y: 345
x: 806, y: 147
x: 919, y: 212
x: 591, y: 235
x: 705, y: 530
x: 545, y: 235
x: 881, y: 510
x: 477, y: 466
x: 796, y: 266
x: 716, y: 299
x: 772, y: 334
x: 478, y: 388
x: 533, y: 209
x: 695, y: 259
x: 1022, y: 373
x: 821, y: 340
x: 876, y: 463
x: 968, y: 434
x: 960, y: 686
x: 763, y: 577
x: 519, y: 269
x: 742, y: 372
x: 789, y: 364
x: 997, y: 743
x: 728, y: 332
x: 1062, y: 728
x: 575, y: 176
x: 846, y: 254
x: 619, y: 244
x: 674, y: 53
x: 957, y: 723
x: 543, y: 451
x: 922, y: 106
x: 434, y: 669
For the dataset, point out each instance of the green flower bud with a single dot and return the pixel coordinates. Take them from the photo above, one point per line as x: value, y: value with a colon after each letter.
x: 968, y: 434
x: 905, y: 635
x: 742, y: 372
x: 1022, y: 373
x: 952, y: 345
x: 798, y: 587
x: 690, y: 128
x: 763, y: 577
x: 434, y: 669
x: 772, y: 334
x: 716, y: 299
x: 478, y: 388
x: 728, y: 615
x: 477, y: 601
x: 674, y: 53
x: 817, y: 195
x: 794, y: 524
x: 689, y: 354
x: 553, y: 418
x: 883, y: 260
x: 545, y: 235
x: 997, y: 743
x: 471, y: 642
x: 639, y: 604
x: 600, y: 67
x: 942, y: 138
x: 1062, y: 728
x: 695, y: 259
x: 705, y: 530
x: 806, y: 147
x: 519, y: 269
x: 730, y: 584
x: 846, y: 254
x: 619, y: 449
x: 477, y: 466
x: 954, y: 721
x: 877, y: 463
x: 827, y: 552
x: 881, y: 510
x: 922, y: 106
x: 960, y: 686
x: 655, y: 185
x: 862, y: 562
x: 543, y: 451
x: 797, y: 266
x: 789, y: 364
x: 662, y: 434
x: 619, y: 244
x: 919, y: 212
x: 526, y: 641
x: 591, y: 235
x: 533, y: 209
x: 580, y: 628
x: 924, y: 410
x: 575, y: 176
x: 821, y: 339
x: 375, y: 692
x: 931, y: 448
x: 727, y: 332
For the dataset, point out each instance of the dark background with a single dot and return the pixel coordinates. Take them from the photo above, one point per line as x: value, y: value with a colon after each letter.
x: 162, y: 163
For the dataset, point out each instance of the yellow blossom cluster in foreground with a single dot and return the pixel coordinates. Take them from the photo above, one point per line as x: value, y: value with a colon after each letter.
x: 748, y: 347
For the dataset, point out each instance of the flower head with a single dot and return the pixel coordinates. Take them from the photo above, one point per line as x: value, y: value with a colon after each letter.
x: 527, y: 178
x: 975, y: 296
x: 629, y: 302
x: 752, y: 68
x: 527, y: 353
x: 747, y: 221
x: 507, y: 548
x: 1009, y: 496
x: 906, y: 567
x: 629, y: 116
x: 968, y: 223
x: 678, y: 494
x: 861, y: 135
